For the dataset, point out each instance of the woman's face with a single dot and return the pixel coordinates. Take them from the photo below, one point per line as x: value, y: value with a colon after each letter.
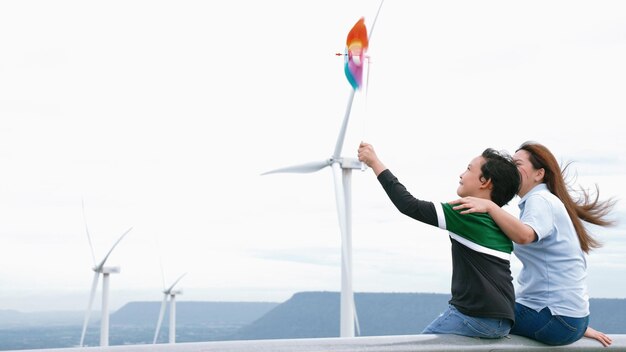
x: 529, y: 175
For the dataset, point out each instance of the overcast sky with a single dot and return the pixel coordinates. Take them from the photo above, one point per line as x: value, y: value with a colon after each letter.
x: 162, y: 115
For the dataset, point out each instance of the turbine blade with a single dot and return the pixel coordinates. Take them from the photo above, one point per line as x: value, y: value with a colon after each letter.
x: 88, y: 236
x: 156, y: 240
x: 111, y: 250
x: 169, y: 290
x: 369, y: 36
x: 302, y: 168
x: 344, y: 127
x: 347, y: 196
x: 356, y: 322
x: 94, y: 286
x: 161, y: 313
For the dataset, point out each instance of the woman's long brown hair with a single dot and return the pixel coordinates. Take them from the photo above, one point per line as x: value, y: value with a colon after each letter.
x: 584, y: 208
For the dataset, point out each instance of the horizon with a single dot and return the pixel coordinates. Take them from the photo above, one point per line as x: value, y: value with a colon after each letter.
x: 179, y: 300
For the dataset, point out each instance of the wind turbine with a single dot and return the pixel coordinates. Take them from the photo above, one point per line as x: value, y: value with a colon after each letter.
x: 98, y: 269
x: 172, y: 294
x: 342, y: 174
x: 342, y: 171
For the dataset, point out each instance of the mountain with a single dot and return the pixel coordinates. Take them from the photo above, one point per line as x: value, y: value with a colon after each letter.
x: 15, y: 319
x: 304, y: 315
x: 134, y: 323
x: 192, y: 313
x: 316, y: 314
x: 608, y: 315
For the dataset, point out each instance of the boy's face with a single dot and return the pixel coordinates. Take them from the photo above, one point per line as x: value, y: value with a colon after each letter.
x: 471, y: 179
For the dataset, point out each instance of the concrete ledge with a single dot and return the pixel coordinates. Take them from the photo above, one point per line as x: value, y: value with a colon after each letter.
x: 366, y: 343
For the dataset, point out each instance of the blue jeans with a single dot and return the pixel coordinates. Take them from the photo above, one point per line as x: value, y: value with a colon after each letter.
x: 452, y: 321
x: 555, y: 330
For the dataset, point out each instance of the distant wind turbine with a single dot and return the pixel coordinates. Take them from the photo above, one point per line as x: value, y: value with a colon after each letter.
x: 98, y: 269
x: 172, y: 294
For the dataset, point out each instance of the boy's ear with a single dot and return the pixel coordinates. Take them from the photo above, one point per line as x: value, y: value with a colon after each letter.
x: 486, y: 183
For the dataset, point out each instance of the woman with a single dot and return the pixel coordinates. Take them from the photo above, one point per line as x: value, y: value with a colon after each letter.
x: 551, y: 241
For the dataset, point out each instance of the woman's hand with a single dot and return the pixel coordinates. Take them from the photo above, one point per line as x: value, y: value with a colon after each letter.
x: 598, y: 335
x: 469, y: 205
x: 514, y: 229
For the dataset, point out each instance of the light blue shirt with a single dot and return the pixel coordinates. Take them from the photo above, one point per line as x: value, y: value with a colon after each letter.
x: 554, y: 268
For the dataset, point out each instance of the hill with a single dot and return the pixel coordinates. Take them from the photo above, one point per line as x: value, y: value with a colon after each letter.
x: 316, y: 314
x: 304, y: 315
x: 16, y: 319
x: 608, y: 315
x: 192, y: 313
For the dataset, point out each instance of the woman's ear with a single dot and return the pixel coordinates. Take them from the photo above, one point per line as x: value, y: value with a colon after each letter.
x: 540, y: 174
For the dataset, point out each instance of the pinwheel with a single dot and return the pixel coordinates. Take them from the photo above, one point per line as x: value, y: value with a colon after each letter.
x: 356, y: 46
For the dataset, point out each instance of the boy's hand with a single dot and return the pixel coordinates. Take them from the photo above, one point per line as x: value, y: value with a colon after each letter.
x: 368, y: 156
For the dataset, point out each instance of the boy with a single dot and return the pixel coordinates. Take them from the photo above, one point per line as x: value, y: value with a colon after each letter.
x: 483, y: 298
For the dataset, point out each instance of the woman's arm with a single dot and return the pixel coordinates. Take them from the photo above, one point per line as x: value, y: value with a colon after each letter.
x: 517, y: 231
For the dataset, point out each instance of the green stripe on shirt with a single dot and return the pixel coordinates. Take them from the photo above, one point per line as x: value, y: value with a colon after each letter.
x: 478, y: 228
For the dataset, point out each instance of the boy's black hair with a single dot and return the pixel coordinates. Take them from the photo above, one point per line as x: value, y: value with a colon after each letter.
x: 500, y: 168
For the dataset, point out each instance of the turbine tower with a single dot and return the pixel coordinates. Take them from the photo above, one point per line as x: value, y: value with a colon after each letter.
x: 172, y: 294
x: 342, y: 172
x: 98, y: 269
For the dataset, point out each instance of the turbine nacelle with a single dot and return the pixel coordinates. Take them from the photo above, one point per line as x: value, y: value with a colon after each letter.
x: 351, y: 163
x: 107, y: 270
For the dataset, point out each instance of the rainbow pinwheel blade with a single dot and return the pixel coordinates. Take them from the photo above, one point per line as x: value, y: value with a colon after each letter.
x: 356, y: 46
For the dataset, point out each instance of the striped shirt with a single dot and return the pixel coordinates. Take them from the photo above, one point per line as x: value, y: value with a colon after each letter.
x: 482, y: 284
